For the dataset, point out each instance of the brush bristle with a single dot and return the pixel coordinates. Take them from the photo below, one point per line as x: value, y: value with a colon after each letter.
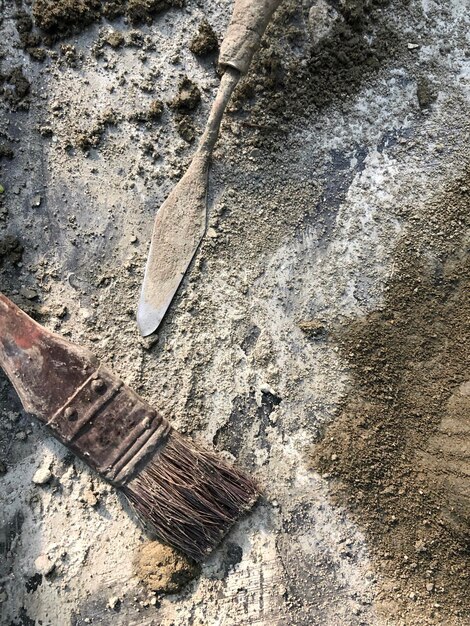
x: 190, y: 496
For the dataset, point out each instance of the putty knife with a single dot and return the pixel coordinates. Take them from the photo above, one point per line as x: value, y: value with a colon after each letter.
x: 180, y: 223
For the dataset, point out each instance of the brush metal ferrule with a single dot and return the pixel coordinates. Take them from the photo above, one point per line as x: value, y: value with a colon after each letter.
x: 93, y: 412
x: 109, y: 426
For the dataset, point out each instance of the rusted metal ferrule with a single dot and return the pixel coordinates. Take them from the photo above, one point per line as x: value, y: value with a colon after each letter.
x: 110, y: 427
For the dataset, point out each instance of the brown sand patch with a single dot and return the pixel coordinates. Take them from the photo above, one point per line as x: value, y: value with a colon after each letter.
x: 398, y: 454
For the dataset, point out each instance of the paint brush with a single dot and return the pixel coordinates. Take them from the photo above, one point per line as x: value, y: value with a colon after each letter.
x: 189, y: 495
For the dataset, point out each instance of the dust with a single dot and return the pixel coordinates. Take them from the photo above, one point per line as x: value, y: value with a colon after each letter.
x: 65, y: 16
x: 398, y: 454
x: 295, y: 75
x: 164, y: 570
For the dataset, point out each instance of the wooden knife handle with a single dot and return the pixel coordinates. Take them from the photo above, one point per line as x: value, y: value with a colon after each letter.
x: 247, y: 26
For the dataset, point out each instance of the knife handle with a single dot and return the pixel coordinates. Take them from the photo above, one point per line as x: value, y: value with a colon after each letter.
x: 247, y: 26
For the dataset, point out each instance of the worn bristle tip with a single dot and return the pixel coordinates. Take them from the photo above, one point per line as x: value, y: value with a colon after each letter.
x: 190, y: 496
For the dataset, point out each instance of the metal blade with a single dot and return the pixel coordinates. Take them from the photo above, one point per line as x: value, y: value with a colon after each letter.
x: 181, y: 222
x: 179, y: 227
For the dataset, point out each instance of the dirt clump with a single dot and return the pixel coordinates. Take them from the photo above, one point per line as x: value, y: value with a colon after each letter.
x: 69, y: 55
x: 164, y: 570
x: 188, y: 97
x: 114, y: 38
x: 6, y: 151
x: 398, y: 455
x: 140, y: 11
x: 205, y: 41
x: 186, y: 101
x: 86, y: 139
x: 15, y: 89
x: 62, y: 17
x: 11, y: 250
x: 30, y: 40
x: 185, y: 127
x: 425, y: 93
x: 152, y: 113
x: 313, y: 328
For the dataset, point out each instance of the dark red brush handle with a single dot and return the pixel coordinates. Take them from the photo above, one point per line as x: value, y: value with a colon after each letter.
x: 86, y: 406
x: 44, y: 368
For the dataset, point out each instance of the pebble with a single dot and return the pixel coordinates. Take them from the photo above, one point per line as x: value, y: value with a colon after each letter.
x: 3, y: 596
x: 44, y: 565
x: 36, y: 201
x: 29, y: 294
x: 90, y: 498
x: 430, y: 587
x: 114, y: 602
x: 42, y: 475
x: 21, y: 435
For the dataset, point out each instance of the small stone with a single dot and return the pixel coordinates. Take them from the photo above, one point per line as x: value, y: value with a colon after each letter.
x: 90, y: 498
x: 430, y: 587
x: 21, y: 435
x: 425, y: 93
x: 29, y: 294
x: 413, y: 46
x: 3, y: 596
x: 115, y: 39
x: 36, y: 201
x: 42, y: 476
x: 212, y: 233
x: 321, y: 19
x: 44, y: 565
x: 114, y: 602
x: 147, y: 343
x: 420, y: 546
x: 313, y: 328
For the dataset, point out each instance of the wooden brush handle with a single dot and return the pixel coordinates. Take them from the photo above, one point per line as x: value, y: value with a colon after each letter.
x: 44, y: 368
x: 247, y: 26
x: 86, y: 406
